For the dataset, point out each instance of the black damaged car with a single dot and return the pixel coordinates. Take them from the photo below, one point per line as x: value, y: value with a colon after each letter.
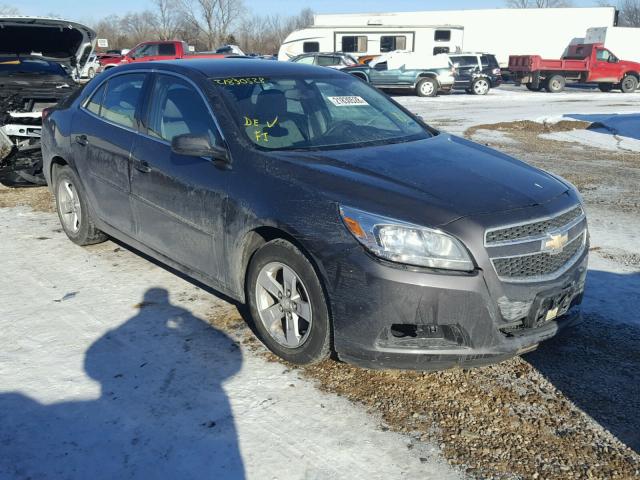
x: 344, y: 223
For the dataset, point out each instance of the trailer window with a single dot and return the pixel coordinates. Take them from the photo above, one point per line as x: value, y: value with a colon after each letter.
x: 310, y: 47
x: 389, y: 43
x: 354, y: 43
x: 442, y: 36
x: 439, y: 50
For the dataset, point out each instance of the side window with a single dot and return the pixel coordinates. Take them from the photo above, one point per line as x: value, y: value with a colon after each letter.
x: 150, y: 50
x: 390, y: 43
x: 96, y: 99
x: 121, y: 99
x: 167, y: 49
x: 354, y: 43
x: 489, y: 61
x: 328, y: 61
x: 442, y: 35
x: 176, y: 108
x: 310, y: 47
x: 439, y: 50
x: 306, y: 60
x: 466, y: 61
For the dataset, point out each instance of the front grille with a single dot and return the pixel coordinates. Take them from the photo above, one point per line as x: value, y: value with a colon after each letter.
x: 538, y: 264
x: 533, y: 229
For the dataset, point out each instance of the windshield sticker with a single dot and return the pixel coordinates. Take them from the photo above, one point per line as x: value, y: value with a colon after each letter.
x: 248, y: 122
x: 348, y: 101
x: 240, y: 81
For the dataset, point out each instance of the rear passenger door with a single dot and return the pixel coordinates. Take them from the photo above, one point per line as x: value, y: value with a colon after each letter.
x: 177, y: 199
x: 103, y: 133
x: 466, y: 66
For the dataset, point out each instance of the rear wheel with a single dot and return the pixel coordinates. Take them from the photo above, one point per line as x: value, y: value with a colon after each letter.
x: 480, y: 86
x: 532, y: 88
x: 73, y: 211
x: 629, y: 84
x: 605, y: 87
x: 287, y: 303
x: 427, y: 87
x: 556, y: 84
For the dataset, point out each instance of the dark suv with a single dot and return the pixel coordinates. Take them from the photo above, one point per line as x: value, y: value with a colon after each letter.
x: 343, y: 221
x: 477, y: 72
x: 332, y: 60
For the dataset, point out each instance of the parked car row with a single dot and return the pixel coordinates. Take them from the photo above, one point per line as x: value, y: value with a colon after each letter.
x: 474, y: 73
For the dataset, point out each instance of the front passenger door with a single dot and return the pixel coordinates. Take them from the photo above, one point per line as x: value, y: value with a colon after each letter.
x: 177, y: 199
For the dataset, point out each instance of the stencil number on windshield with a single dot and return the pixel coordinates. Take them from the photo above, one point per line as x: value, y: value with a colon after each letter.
x: 348, y: 101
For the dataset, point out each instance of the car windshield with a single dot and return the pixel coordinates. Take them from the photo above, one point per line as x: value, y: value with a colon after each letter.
x: 10, y: 66
x: 295, y: 113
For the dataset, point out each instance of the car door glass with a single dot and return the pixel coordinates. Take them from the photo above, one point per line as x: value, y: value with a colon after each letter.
x: 150, y: 50
x: 176, y: 108
x: 305, y: 60
x: 602, y: 55
x: 328, y: 61
x: 95, y: 102
x: 166, y: 49
x: 121, y: 99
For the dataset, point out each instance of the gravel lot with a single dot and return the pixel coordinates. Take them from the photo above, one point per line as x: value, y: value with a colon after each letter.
x: 571, y: 409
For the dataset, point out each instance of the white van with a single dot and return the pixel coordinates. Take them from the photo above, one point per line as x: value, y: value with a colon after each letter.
x: 373, y: 40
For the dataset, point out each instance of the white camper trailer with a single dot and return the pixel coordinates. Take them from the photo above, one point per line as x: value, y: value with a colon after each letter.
x: 503, y: 32
x: 373, y: 39
x: 623, y: 41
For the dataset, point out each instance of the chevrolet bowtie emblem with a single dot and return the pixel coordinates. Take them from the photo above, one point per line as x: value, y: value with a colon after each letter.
x: 554, y: 243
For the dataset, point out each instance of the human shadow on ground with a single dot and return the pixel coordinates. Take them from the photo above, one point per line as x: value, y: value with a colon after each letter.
x: 597, y: 364
x: 162, y: 412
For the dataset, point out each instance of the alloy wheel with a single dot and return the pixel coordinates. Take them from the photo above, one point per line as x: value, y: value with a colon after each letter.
x: 69, y: 205
x: 480, y: 87
x: 283, y: 305
x: 427, y: 88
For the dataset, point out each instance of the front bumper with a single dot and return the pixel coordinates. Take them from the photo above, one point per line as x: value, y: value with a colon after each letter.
x: 390, y: 316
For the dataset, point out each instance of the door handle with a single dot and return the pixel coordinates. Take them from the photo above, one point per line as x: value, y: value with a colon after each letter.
x: 141, y: 166
x: 82, y: 140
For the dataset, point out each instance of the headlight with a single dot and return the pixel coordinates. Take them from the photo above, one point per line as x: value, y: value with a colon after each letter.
x: 406, y: 243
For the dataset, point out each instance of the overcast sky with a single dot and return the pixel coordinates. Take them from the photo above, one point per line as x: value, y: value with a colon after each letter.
x: 95, y: 9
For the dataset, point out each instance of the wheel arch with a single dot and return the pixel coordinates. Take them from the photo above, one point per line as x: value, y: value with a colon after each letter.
x: 57, y: 162
x: 632, y: 73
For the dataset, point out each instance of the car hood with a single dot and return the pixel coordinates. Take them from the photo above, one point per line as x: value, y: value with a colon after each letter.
x: 437, y: 180
x: 68, y: 43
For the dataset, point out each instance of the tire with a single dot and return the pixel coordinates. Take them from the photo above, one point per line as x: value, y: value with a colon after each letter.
x: 480, y: 86
x: 605, y: 87
x: 73, y: 210
x: 555, y: 84
x: 91, y: 73
x: 532, y: 88
x: 629, y: 84
x: 427, y: 87
x: 274, y: 309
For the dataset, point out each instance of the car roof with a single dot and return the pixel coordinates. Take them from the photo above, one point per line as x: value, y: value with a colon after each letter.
x: 231, y: 67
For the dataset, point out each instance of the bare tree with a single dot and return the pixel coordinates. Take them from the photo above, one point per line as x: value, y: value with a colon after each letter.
x: 166, y: 19
x: 539, y: 3
x: 629, y: 13
x: 212, y: 18
x: 138, y: 26
x: 8, y: 9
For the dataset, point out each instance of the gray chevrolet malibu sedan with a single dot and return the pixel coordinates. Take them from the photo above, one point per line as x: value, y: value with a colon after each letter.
x: 344, y: 222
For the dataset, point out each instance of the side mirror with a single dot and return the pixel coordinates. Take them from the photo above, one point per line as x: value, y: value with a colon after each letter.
x: 199, y: 146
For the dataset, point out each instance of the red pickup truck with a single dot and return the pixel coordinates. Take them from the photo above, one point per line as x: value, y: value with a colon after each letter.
x: 585, y: 63
x: 165, y: 50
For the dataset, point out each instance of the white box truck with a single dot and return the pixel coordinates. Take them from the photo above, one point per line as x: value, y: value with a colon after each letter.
x: 503, y: 31
x: 623, y: 41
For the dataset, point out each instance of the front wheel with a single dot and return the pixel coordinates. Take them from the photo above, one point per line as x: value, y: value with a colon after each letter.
x: 556, y: 84
x: 73, y: 211
x: 427, y: 87
x: 629, y: 84
x: 287, y: 304
x: 480, y: 86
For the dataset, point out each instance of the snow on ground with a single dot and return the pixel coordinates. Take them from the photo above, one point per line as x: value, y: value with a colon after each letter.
x: 108, y: 370
x: 597, y: 139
